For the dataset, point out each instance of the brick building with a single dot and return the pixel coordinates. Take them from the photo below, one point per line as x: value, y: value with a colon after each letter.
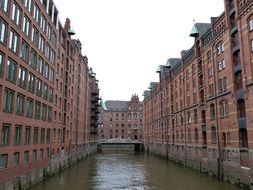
x: 48, y: 94
x: 200, y: 111
x: 121, y: 119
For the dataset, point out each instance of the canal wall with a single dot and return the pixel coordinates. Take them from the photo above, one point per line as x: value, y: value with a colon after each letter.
x: 206, y: 160
x: 55, y: 166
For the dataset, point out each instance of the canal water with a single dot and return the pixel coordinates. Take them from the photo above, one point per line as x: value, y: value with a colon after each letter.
x: 131, y: 172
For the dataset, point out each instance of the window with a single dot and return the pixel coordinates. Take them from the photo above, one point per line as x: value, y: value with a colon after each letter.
x: 3, y: 160
x: 26, y: 26
x: 40, y: 65
x: 28, y: 4
x: 48, y: 135
x: 27, y: 135
x: 41, y: 44
x: 17, y: 137
x: 45, y: 91
x: 8, y: 100
x: 5, y: 138
x: 43, y: 23
x: 31, y: 82
x: 38, y: 87
x: 1, y: 65
x: 36, y: 13
x: 50, y: 94
x: 33, y: 59
x: 24, y: 51
x: 11, y: 70
x: 211, y: 90
x: 13, y: 41
x: 51, y: 75
x: 224, y: 109
x: 16, y: 156
x: 212, y: 111
x: 35, y: 135
x: 4, y: 5
x: 193, y: 69
x: 222, y: 85
x: 251, y: 45
x: 210, y: 71
x: 37, y: 110
x: 15, y: 14
x: 22, y: 75
x: 220, y: 48
x: 29, y: 107
x: 250, y: 25
x: 42, y: 135
x: 196, y: 135
x: 3, y: 31
x: 47, y: 51
x: 44, y: 112
x: 20, y: 104
x: 188, y: 117
x: 223, y: 64
x: 46, y: 71
x: 41, y: 153
x: 187, y: 74
x: 35, y: 36
x: 213, y: 135
x: 195, y: 116
x: 26, y: 156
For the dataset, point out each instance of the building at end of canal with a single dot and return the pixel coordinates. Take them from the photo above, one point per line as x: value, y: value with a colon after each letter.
x: 121, y: 119
x: 200, y: 112
x: 48, y: 93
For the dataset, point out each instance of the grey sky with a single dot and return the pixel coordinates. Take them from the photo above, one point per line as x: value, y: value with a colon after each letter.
x: 125, y: 40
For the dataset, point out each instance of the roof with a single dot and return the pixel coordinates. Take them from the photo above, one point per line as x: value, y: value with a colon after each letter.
x: 116, y: 105
x: 199, y: 29
x: 172, y: 62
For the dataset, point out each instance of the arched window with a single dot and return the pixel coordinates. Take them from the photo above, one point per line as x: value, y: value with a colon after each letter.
x: 213, y: 135
x: 228, y: 138
x: 243, y: 138
x: 212, y: 111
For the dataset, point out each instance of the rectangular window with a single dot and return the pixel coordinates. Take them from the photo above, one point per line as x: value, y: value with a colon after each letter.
x: 36, y: 13
x: 1, y: 65
x: 251, y: 45
x: 17, y: 137
x: 41, y: 154
x: 13, y: 41
x: 38, y: 87
x: 35, y: 36
x: 20, y: 104
x: 220, y: 66
x: 31, y: 82
x: 52, y: 57
x: 29, y: 108
x: 11, y: 70
x: 222, y: 47
x: 4, y: 5
x: 41, y: 44
x: 28, y: 4
x: 33, y: 59
x: 51, y: 75
x: 40, y: 65
x: 43, y: 23
x: 16, y: 156
x: 3, y: 31
x: 45, y: 91
x: 22, y: 76
x: 27, y: 135
x: 24, y: 51
x: 42, y: 135
x: 34, y: 155
x: 47, y: 51
x: 35, y: 135
x: 26, y: 26
x: 8, y: 100
x: 15, y: 14
x: 26, y: 156
x: 5, y: 134
x: 37, y: 110
x: 220, y: 86
x: 48, y: 135
x: 223, y: 64
x: 47, y: 152
x: 44, y: 112
x: 46, y: 71
x: 224, y: 84
x: 3, y: 160
x: 50, y: 94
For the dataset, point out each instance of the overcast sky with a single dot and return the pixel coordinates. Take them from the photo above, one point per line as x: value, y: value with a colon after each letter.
x: 125, y: 40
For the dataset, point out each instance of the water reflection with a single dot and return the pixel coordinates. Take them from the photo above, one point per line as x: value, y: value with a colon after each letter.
x: 131, y: 172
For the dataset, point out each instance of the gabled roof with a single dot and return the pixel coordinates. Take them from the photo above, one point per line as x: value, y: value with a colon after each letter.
x: 199, y: 29
x: 116, y: 105
x: 172, y: 62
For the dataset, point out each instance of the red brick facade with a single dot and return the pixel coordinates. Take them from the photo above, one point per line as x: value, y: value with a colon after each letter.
x: 200, y: 111
x: 121, y: 119
x: 48, y: 94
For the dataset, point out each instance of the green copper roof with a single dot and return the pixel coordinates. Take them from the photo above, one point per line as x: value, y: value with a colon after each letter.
x: 194, y: 31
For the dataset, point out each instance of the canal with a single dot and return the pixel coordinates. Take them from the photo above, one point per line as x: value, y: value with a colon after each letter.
x: 131, y: 172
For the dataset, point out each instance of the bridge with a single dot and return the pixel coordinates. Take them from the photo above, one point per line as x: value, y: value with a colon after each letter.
x: 120, y: 145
